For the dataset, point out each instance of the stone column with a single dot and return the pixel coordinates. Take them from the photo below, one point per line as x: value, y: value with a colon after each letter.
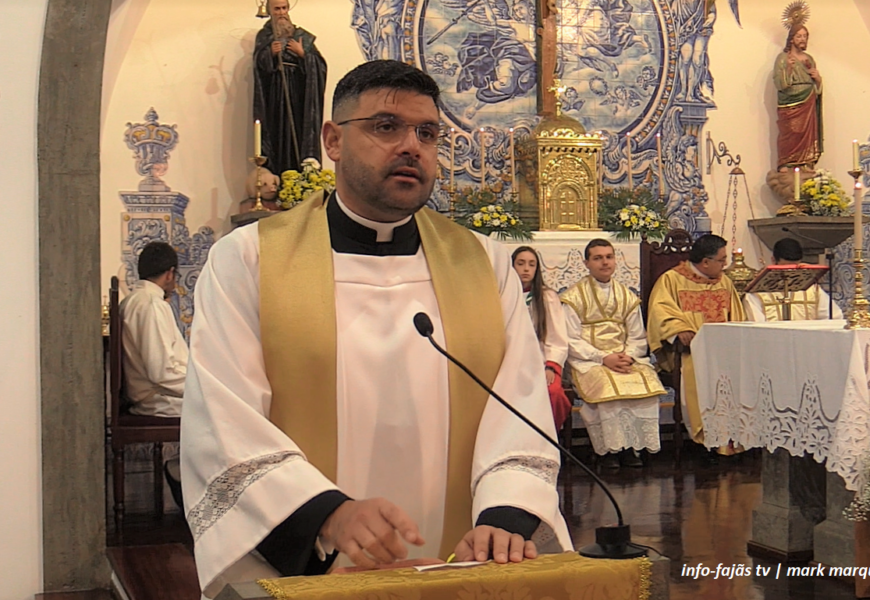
x: 835, y: 536
x: 792, y: 503
x: 73, y: 400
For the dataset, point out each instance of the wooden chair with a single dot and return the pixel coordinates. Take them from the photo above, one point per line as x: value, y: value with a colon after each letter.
x: 125, y: 428
x: 655, y: 259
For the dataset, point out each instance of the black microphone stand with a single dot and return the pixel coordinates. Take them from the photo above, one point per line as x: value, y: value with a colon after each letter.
x: 611, y: 541
x: 829, y: 255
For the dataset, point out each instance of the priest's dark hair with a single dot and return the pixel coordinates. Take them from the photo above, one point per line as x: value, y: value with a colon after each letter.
x: 155, y: 259
x: 706, y: 246
x: 596, y: 243
x: 539, y: 311
x: 383, y: 75
x: 788, y: 249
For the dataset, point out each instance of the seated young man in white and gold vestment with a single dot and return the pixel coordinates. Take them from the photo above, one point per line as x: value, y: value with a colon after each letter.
x: 607, y: 353
x: 317, y: 420
x: 806, y: 305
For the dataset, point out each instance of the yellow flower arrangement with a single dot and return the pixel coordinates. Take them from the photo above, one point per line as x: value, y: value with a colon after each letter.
x: 296, y: 186
x: 481, y: 211
x: 823, y: 196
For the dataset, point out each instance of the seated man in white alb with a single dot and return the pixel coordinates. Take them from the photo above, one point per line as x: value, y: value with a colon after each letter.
x: 607, y: 353
x: 807, y: 305
x: 155, y: 352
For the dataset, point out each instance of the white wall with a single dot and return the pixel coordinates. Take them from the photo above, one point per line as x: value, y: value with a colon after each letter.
x: 21, y: 28
x: 191, y: 61
x: 742, y: 64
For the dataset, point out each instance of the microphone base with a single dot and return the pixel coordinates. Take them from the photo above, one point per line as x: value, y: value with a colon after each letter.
x: 613, y: 542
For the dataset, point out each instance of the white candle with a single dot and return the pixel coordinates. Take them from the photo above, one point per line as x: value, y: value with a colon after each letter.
x: 859, y: 217
x: 797, y: 184
x: 513, y: 162
x: 482, y: 158
x: 659, y: 150
x: 628, y: 154
x: 452, y: 156
x: 258, y: 138
x: 855, y: 164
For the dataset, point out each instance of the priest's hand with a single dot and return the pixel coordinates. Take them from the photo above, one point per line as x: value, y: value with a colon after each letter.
x: 277, y: 46
x: 484, y: 541
x: 371, y: 531
x: 686, y: 337
x: 619, y: 362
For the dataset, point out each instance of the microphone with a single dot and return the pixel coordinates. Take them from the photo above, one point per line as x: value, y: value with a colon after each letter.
x: 611, y: 541
x: 829, y: 255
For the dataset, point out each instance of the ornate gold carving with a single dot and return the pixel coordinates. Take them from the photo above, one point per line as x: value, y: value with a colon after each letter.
x: 566, y: 175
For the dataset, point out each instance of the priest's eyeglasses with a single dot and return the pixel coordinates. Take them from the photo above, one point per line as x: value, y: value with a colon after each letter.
x: 393, y: 130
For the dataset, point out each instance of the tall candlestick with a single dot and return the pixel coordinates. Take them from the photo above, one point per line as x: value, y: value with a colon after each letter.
x: 855, y: 165
x: 513, y: 162
x: 628, y: 154
x: 659, y: 150
x: 258, y: 138
x: 452, y: 156
x: 859, y: 217
x: 797, y: 184
x: 482, y: 158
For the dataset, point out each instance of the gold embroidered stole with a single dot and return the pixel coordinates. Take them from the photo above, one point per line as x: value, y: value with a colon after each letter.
x: 298, y: 332
x: 603, y: 326
x: 804, y: 305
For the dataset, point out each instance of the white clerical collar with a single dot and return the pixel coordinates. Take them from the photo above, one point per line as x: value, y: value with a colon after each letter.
x: 602, y: 284
x: 697, y: 272
x: 384, y: 230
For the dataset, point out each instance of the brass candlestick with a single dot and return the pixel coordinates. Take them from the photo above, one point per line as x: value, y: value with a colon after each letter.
x: 259, y: 161
x: 858, y: 316
x: 451, y: 192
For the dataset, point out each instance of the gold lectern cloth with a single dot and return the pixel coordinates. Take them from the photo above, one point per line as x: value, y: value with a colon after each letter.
x: 566, y: 576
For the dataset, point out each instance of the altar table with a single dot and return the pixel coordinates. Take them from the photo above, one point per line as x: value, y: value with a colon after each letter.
x: 798, y: 389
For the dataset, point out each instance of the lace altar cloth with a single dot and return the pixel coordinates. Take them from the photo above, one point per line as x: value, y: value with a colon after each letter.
x: 797, y: 385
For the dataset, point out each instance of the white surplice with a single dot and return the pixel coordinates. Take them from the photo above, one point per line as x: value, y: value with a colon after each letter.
x: 243, y: 476
x: 616, y: 424
x: 155, y: 352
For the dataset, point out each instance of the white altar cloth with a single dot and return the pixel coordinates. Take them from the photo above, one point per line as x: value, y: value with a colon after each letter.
x: 797, y: 385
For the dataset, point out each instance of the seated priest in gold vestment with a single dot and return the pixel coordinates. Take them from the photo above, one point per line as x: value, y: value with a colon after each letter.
x: 607, y: 353
x: 806, y: 305
x: 693, y: 293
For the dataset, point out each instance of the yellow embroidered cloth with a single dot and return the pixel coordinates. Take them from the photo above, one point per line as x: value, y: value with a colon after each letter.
x: 566, y: 576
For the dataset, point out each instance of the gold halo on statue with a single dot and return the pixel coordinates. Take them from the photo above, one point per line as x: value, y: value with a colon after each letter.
x: 795, y: 14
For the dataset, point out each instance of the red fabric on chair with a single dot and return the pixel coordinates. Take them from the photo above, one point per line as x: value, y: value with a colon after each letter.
x: 558, y: 400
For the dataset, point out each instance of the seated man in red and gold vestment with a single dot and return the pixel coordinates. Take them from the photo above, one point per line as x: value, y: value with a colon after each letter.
x: 691, y: 294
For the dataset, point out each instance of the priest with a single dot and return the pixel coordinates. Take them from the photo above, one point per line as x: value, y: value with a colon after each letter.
x: 806, y: 305
x: 693, y: 293
x: 317, y: 420
x: 607, y: 353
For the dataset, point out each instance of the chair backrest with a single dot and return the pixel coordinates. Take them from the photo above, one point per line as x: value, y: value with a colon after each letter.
x: 658, y: 257
x: 116, y: 352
